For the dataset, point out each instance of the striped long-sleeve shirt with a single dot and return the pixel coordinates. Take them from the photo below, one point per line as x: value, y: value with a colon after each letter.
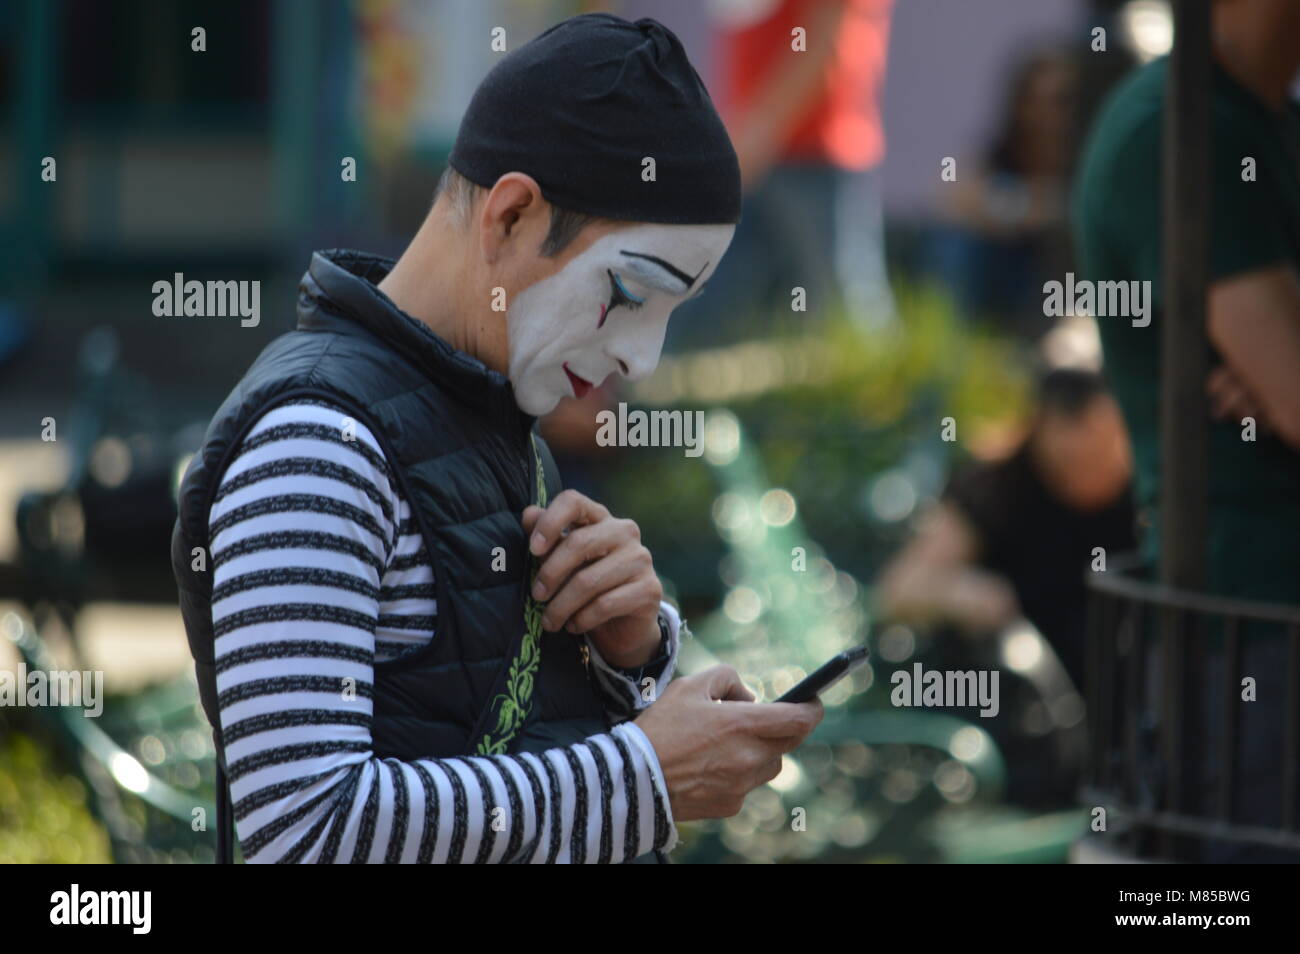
x: 319, y: 572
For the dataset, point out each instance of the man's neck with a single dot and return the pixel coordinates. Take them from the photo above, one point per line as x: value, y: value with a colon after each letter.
x: 426, y: 284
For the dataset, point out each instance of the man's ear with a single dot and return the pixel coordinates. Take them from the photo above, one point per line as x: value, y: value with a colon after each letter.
x: 510, y: 209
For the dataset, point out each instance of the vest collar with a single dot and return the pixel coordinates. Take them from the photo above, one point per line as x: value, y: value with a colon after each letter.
x: 343, y: 283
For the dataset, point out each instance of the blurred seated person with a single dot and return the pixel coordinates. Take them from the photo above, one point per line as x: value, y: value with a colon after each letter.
x: 1014, y: 538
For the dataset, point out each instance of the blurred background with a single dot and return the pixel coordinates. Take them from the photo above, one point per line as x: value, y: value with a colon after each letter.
x: 827, y: 444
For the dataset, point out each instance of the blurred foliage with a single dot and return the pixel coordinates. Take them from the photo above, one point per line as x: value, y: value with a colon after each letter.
x: 82, y: 813
x: 165, y: 730
x: 132, y: 784
x: 44, y: 814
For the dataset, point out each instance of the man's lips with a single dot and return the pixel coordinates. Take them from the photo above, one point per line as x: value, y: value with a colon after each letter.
x: 580, y: 385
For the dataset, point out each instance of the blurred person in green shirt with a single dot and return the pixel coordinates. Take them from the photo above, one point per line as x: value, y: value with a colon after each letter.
x: 1253, y: 308
x: 1253, y: 332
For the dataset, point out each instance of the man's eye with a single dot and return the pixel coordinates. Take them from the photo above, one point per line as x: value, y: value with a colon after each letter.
x: 619, y: 295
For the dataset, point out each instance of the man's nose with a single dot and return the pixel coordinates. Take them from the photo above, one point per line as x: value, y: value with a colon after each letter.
x: 638, y: 355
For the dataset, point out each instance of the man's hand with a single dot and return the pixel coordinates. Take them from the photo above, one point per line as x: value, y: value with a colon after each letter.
x: 715, y: 744
x: 1254, y: 322
x: 1231, y: 399
x: 596, y: 577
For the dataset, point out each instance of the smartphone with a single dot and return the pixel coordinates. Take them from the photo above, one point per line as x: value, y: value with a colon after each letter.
x: 828, y: 675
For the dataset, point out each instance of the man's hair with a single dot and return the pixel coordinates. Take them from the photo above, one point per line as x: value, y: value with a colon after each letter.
x: 462, y: 193
x: 1069, y: 391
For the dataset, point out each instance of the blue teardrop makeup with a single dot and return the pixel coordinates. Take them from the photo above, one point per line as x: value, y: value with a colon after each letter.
x: 618, y: 295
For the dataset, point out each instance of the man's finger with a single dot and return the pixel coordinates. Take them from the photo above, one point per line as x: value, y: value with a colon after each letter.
x: 723, y: 684
x: 778, y: 720
x: 624, y: 600
x: 1232, y: 395
x: 602, y: 580
x: 582, y: 545
x: 1229, y: 397
x: 783, y: 744
x: 1221, y: 404
x: 568, y: 509
x: 531, y: 513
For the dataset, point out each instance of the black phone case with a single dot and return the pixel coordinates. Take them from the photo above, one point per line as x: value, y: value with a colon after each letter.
x: 826, y: 675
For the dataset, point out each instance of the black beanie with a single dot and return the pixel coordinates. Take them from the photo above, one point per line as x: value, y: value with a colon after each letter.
x: 581, y: 106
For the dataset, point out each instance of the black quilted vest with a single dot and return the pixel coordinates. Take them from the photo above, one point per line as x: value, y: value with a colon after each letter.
x: 463, y: 455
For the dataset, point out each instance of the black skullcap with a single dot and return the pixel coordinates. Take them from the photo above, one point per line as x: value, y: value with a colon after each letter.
x: 579, y: 108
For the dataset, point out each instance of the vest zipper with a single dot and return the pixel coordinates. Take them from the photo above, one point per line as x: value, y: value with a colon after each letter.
x: 529, y: 463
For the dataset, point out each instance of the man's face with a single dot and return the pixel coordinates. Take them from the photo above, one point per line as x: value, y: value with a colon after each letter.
x: 606, y: 310
x: 1086, y: 458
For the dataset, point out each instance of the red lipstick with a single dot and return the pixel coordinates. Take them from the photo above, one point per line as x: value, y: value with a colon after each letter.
x: 580, y: 385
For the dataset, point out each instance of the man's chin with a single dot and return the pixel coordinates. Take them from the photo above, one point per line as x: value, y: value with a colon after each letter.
x: 538, y: 405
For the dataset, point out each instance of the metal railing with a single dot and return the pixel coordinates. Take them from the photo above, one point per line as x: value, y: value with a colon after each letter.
x: 1167, y: 740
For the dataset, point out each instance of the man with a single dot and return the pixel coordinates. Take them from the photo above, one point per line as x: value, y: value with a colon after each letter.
x: 1253, y: 326
x: 1014, y: 539
x: 411, y: 644
x: 1253, y: 316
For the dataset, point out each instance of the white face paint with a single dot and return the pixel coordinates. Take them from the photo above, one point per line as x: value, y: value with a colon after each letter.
x: 606, y: 311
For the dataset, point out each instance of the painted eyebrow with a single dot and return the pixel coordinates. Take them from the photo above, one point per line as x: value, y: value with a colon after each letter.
x: 668, y: 267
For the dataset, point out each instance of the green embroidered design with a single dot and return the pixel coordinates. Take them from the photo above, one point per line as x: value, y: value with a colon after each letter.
x: 513, y: 705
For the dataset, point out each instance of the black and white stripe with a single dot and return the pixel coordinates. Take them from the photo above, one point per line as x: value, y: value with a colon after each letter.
x: 319, y: 573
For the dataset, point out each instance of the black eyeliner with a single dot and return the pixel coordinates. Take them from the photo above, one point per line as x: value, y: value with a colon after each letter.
x: 669, y: 267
